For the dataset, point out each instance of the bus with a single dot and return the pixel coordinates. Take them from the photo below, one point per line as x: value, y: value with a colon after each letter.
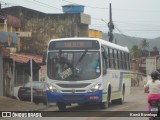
x: 86, y: 71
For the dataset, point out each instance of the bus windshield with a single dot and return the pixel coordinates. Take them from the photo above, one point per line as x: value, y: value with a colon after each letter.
x: 73, y: 65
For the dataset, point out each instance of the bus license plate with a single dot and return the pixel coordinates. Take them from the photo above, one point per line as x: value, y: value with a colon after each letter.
x: 154, y: 109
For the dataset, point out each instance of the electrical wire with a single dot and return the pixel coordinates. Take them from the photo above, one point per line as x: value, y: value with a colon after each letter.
x: 47, y: 5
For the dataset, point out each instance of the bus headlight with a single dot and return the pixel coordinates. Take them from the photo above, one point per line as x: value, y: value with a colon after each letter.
x: 52, y: 88
x: 95, y: 88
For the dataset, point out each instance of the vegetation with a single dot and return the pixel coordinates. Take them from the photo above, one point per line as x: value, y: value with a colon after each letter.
x: 143, y: 50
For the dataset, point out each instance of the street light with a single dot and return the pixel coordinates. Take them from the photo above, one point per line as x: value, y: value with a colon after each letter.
x: 31, y: 70
x: 104, y: 21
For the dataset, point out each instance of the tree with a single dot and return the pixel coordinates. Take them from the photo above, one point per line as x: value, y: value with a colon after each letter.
x: 144, y: 44
x: 135, y: 51
x: 155, y: 49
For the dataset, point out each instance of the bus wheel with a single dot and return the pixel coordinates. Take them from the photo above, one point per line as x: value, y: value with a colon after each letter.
x: 105, y: 105
x: 61, y: 106
x: 121, y: 100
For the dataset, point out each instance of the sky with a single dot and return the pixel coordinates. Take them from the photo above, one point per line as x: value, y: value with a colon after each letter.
x: 136, y: 18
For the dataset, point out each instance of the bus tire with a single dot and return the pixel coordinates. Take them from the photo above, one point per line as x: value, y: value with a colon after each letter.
x: 61, y: 106
x: 121, y: 100
x: 105, y: 105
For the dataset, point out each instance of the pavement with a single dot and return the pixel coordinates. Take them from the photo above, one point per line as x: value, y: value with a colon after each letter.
x: 9, y: 104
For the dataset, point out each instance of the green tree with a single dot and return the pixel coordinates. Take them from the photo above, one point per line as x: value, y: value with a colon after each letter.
x: 135, y: 51
x: 155, y: 48
x: 144, y: 44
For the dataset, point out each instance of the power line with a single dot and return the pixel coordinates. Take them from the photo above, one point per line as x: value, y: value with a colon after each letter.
x: 37, y: 3
x: 47, y: 4
x: 139, y: 30
x: 124, y: 35
x: 4, y: 3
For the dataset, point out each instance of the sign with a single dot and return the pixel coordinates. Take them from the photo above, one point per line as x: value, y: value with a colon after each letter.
x: 23, y: 34
x: 74, y: 44
x: 8, y: 39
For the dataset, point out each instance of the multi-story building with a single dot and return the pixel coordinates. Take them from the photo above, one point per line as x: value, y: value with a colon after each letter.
x: 45, y: 26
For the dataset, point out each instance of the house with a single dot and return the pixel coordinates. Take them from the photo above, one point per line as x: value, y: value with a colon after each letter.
x: 45, y: 26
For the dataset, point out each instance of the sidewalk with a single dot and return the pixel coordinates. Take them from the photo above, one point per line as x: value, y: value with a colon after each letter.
x: 9, y: 104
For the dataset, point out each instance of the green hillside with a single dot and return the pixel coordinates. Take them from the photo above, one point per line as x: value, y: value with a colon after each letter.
x: 130, y: 41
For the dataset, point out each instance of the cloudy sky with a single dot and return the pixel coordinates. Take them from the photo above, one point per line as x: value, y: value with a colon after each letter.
x: 137, y: 18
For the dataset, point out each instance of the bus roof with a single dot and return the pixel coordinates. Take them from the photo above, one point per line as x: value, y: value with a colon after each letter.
x: 101, y: 41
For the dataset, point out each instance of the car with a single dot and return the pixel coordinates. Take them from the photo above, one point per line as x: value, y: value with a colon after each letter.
x: 39, y: 92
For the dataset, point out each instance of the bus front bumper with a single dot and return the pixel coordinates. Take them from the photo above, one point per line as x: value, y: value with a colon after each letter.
x: 91, y: 97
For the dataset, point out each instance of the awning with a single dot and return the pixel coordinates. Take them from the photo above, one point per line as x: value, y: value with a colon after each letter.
x: 24, y: 58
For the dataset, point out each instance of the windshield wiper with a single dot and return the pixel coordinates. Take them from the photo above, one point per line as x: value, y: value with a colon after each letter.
x: 82, y: 56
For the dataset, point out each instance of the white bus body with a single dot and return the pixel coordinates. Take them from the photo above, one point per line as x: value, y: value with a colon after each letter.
x: 76, y: 83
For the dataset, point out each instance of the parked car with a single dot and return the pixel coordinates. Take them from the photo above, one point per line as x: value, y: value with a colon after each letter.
x: 39, y: 92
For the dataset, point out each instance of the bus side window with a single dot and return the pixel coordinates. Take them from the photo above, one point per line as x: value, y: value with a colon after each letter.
x: 107, y: 59
x: 112, y: 57
x: 116, y: 59
x: 104, y: 57
x: 104, y: 66
x: 121, y: 59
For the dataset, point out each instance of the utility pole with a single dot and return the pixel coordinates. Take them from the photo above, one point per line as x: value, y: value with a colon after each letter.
x: 110, y: 25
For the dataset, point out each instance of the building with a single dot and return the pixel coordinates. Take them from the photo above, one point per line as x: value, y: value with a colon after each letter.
x: 8, y: 44
x: 152, y: 63
x: 138, y: 70
x: 41, y: 28
x: 95, y: 33
x: 45, y: 26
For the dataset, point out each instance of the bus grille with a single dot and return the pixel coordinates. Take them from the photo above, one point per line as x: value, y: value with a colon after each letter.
x: 71, y: 91
x: 82, y: 85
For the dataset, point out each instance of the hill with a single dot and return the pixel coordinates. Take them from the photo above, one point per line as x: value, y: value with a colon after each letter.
x: 130, y: 41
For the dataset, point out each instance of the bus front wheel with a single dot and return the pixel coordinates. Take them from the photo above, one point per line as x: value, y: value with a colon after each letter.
x: 105, y: 105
